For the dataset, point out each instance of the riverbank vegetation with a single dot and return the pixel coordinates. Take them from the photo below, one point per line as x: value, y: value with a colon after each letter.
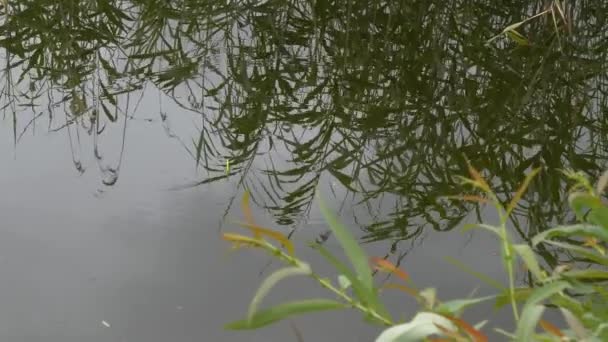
x: 576, y: 289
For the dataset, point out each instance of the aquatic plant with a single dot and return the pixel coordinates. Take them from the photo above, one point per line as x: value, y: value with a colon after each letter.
x: 578, y: 293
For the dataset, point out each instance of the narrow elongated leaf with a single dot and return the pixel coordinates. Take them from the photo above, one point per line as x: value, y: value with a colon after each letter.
x: 247, y: 208
x: 259, y: 232
x: 527, y: 322
x: 279, y: 312
x: 487, y: 227
x: 478, y: 275
x: 351, y: 248
x: 574, y: 324
x: 521, y: 294
x: 411, y: 291
x: 362, y: 293
x: 574, y: 230
x: 469, y: 198
x: 588, y: 274
x: 476, y: 335
x: 585, y: 252
x: 478, y: 178
x: 582, y: 202
x: 529, y: 258
x: 271, y: 281
x: 387, y: 266
x: 551, y: 329
x: 541, y: 293
x: 455, y: 307
x: 421, y: 326
x: 522, y: 189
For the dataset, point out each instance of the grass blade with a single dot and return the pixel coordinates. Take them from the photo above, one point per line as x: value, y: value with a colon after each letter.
x: 281, y: 311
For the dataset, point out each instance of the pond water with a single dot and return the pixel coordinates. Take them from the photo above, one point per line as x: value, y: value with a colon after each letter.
x: 132, y: 129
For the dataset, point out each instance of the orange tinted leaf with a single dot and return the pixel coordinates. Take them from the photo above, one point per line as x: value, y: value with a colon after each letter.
x: 387, y: 266
x: 478, y: 178
x: 259, y: 232
x: 475, y: 334
x: 550, y: 328
x: 247, y: 208
x: 522, y: 189
x: 412, y: 292
x: 449, y: 333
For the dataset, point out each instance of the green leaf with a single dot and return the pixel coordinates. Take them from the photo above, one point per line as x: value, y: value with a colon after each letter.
x: 351, y: 248
x: 363, y: 294
x: 421, y: 326
x: 487, y: 227
x: 517, y: 37
x: 344, y: 282
x: 271, y: 281
x: 521, y: 294
x: 546, y: 291
x: 281, y: 311
x: 455, y: 307
x: 585, y: 252
x: 565, y: 231
x: 527, y: 322
x: 599, y: 216
x: 588, y: 274
x: 478, y: 275
x: 529, y: 258
x: 575, y: 324
x: 582, y: 202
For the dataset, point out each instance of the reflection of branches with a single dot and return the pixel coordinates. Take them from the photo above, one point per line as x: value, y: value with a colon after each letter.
x: 384, y: 98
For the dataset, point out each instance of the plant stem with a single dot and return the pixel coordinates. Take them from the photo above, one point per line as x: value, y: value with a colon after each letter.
x: 292, y: 260
x: 508, y: 256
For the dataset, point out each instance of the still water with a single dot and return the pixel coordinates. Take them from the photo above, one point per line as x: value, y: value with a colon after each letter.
x: 131, y: 130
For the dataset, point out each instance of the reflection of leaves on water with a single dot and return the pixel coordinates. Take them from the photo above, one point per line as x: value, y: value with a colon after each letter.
x: 383, y: 98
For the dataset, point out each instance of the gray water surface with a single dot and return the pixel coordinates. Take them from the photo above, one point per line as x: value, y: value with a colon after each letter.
x: 140, y: 262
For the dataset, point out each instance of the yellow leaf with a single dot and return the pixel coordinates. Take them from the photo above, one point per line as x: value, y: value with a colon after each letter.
x: 518, y: 37
x: 239, y: 240
x: 259, y: 232
x: 522, y: 189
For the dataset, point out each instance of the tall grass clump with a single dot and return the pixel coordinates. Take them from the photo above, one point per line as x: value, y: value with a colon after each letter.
x: 578, y: 292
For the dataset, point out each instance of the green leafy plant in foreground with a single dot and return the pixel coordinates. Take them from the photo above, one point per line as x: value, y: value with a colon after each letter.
x: 578, y: 293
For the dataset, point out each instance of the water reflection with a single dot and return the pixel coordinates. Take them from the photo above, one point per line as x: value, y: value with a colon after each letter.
x: 383, y: 99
